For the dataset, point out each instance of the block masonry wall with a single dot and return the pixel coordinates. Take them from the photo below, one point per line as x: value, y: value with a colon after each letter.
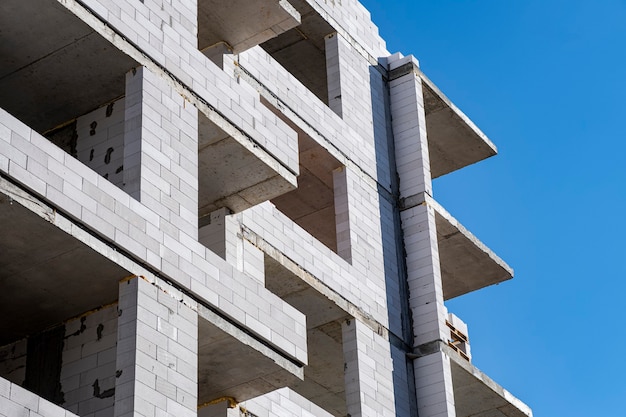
x: 100, y: 141
x: 135, y: 187
x: 157, y: 354
x: 16, y: 401
x: 87, y: 364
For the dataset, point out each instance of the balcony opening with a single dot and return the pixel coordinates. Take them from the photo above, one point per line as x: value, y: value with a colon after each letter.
x: 324, y: 382
x: 64, y: 293
x: 65, y: 81
x: 302, y: 50
x: 230, y: 174
x: 312, y: 204
x: 319, y: 205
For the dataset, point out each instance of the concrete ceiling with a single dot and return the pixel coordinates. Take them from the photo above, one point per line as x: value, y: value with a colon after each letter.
x: 243, y: 24
x: 46, y: 275
x: 477, y: 395
x: 453, y: 140
x: 55, y: 68
x: 301, y: 50
x: 323, y: 382
x: 466, y: 263
x: 230, y: 175
x: 228, y: 366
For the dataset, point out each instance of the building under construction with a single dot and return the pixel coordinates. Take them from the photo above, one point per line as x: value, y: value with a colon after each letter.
x: 224, y: 208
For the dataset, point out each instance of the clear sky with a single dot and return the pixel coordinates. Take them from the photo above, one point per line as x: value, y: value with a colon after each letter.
x: 546, y: 81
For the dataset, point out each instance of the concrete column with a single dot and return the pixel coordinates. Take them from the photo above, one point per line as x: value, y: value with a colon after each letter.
x: 157, y: 353
x: 409, y: 127
x: 433, y: 375
x: 368, y: 372
x: 161, y: 151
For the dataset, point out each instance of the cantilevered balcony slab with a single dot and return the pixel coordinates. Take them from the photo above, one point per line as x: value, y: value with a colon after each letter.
x: 477, y: 395
x: 243, y: 24
x: 466, y: 263
x: 454, y: 141
x: 233, y: 364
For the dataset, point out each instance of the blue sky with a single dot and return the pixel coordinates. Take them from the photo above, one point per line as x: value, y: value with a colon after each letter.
x: 546, y: 81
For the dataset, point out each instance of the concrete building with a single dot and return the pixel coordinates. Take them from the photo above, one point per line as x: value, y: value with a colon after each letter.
x: 213, y: 208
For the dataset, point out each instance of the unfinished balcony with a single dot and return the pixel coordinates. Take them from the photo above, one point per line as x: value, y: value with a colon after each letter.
x: 466, y: 263
x: 58, y: 276
x: 48, y: 272
x: 302, y: 50
x: 477, y: 395
x: 454, y: 141
x: 323, y: 382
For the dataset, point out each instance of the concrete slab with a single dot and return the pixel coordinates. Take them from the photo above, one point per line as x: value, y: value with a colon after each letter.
x: 232, y: 363
x: 454, y: 141
x: 47, y: 275
x: 466, y: 263
x: 477, y: 395
x: 243, y: 24
x: 54, y: 68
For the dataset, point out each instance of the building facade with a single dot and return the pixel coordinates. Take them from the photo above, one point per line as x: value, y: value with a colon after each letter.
x: 213, y: 208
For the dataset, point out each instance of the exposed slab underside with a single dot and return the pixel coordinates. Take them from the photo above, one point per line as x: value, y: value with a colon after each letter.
x: 302, y: 50
x: 243, y: 24
x: 466, y: 263
x: 230, y: 175
x: 231, y: 363
x: 477, y: 395
x: 453, y: 140
x: 47, y: 275
x: 54, y: 68
x: 323, y: 382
